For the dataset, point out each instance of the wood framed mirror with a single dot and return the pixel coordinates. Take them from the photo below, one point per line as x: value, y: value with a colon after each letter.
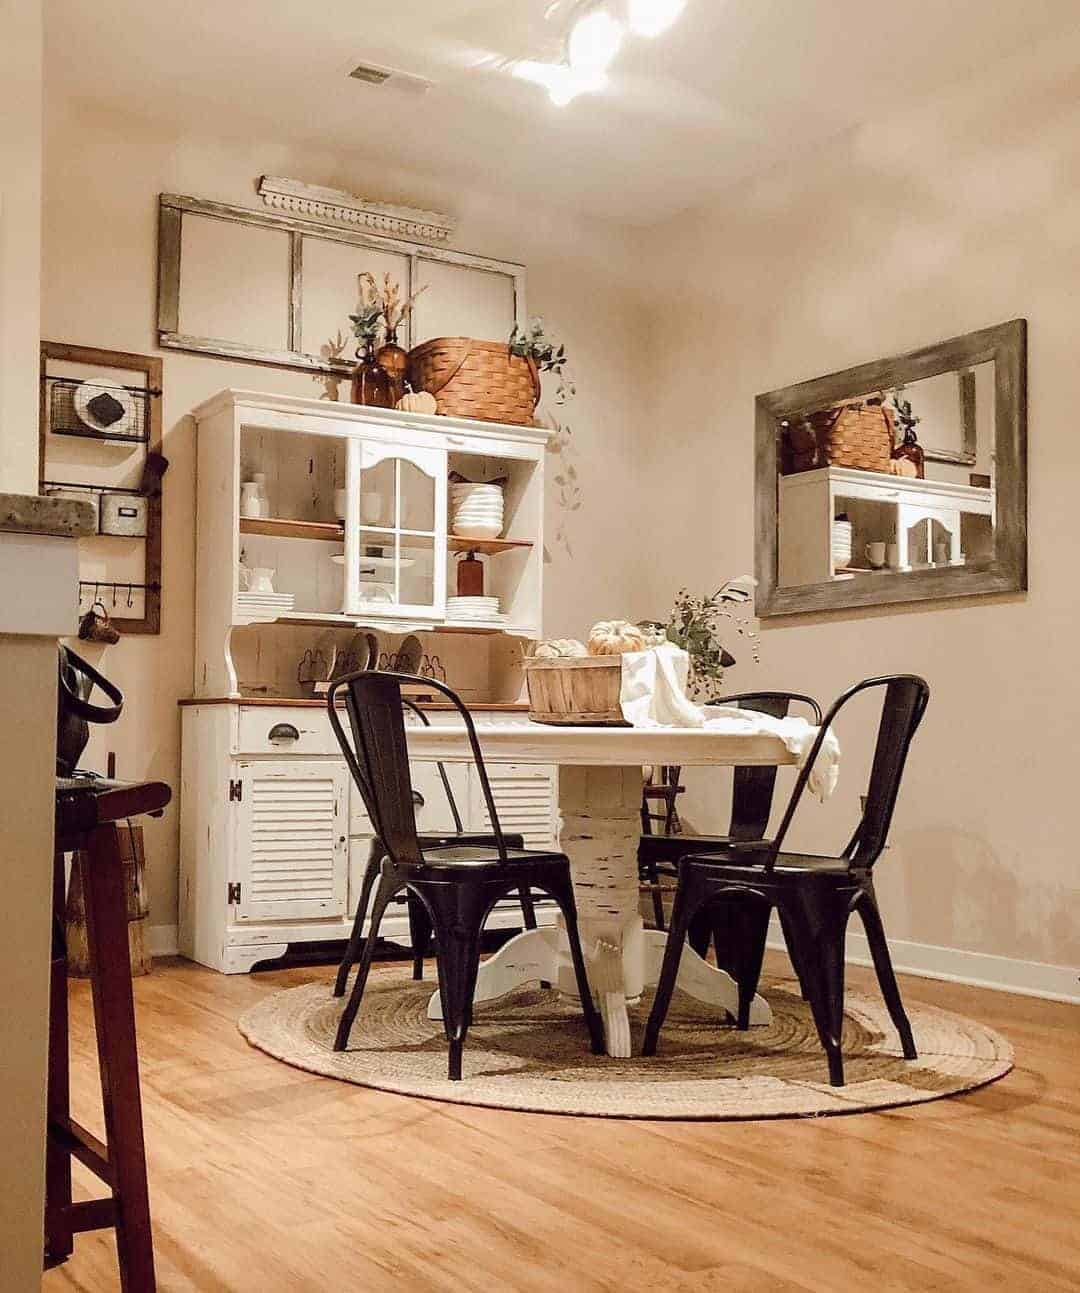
x: 897, y: 481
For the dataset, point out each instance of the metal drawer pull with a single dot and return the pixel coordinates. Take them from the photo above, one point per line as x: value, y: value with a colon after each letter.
x: 284, y: 732
x: 418, y: 799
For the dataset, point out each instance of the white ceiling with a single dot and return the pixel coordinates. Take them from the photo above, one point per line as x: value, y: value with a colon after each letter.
x: 736, y: 86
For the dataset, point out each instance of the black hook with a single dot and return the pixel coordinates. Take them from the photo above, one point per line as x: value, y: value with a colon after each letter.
x: 131, y: 595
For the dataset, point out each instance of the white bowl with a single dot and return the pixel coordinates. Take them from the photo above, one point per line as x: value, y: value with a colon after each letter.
x: 477, y: 530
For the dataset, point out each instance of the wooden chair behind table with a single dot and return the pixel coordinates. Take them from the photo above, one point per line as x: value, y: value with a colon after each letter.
x: 815, y: 896
x: 458, y: 884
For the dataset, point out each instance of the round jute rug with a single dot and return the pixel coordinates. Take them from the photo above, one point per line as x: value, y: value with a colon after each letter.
x: 529, y: 1051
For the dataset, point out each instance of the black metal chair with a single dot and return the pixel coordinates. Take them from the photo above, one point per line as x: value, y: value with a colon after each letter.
x: 419, y: 924
x: 815, y: 896
x: 458, y: 884
x: 751, y: 805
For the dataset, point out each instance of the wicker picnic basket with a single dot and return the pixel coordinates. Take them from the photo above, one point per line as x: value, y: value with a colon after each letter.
x: 476, y: 379
x: 857, y: 435
x: 575, y: 692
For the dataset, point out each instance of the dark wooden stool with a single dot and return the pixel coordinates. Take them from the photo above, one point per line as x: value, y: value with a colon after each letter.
x: 87, y: 811
x: 667, y: 791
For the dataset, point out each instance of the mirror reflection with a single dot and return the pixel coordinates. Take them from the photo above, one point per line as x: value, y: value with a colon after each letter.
x: 887, y: 483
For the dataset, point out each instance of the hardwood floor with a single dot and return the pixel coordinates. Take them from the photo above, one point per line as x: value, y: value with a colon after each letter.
x: 265, y: 1178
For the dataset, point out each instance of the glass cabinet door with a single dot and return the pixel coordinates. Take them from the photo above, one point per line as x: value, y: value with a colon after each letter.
x: 395, y: 531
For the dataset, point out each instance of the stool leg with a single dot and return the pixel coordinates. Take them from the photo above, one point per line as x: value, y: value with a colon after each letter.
x: 59, y: 1242
x: 114, y: 1020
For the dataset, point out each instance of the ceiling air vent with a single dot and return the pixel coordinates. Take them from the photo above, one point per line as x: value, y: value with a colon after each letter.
x: 394, y: 77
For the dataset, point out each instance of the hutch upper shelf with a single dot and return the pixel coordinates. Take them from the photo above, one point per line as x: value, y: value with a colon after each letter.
x: 353, y: 521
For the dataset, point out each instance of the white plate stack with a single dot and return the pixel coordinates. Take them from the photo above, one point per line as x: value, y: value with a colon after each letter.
x: 265, y: 605
x: 471, y: 610
x: 841, y: 544
x: 476, y: 511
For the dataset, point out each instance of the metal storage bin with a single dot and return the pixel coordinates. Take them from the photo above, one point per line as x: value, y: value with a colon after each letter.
x: 124, y: 514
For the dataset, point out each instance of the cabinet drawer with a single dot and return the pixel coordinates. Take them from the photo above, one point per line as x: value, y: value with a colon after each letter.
x: 313, y: 733
x: 433, y: 814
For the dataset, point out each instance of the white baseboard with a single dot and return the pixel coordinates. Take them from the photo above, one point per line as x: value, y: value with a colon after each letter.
x: 954, y: 965
x: 161, y: 940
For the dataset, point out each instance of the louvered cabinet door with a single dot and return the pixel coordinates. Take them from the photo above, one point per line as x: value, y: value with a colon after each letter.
x: 292, y: 841
x: 525, y: 799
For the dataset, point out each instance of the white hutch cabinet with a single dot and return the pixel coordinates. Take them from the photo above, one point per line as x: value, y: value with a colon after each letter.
x: 916, y: 515
x: 274, y: 837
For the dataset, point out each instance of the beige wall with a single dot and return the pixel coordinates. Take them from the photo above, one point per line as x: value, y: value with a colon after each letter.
x: 20, y: 240
x: 102, y: 183
x: 953, y: 215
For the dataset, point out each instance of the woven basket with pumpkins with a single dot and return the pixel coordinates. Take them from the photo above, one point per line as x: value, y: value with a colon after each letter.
x: 577, y: 684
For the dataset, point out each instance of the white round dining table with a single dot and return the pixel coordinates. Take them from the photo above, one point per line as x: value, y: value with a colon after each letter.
x: 600, y: 784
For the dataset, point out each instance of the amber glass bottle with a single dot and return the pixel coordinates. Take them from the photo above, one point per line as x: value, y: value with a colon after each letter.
x: 371, y: 382
x: 912, y: 451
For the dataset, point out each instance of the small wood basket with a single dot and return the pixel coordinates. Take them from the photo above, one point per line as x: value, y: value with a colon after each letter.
x: 575, y: 692
x: 476, y: 379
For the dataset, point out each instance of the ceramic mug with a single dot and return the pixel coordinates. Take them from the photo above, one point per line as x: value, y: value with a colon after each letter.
x: 941, y: 554
x: 262, y: 580
x: 875, y: 554
x: 251, y: 503
x: 892, y: 555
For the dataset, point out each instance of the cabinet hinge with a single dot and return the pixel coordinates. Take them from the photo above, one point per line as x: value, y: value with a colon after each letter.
x: 236, y: 791
x: 234, y: 893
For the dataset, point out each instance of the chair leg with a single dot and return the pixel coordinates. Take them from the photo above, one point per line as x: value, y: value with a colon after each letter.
x: 114, y: 1020
x: 59, y: 1239
x: 419, y: 934
x: 879, y: 949
x: 832, y: 958
x: 356, y: 938
x: 563, y: 893
x: 686, y: 904
x: 751, y: 930
x: 793, y: 953
x: 528, y: 909
x: 652, y: 879
x: 700, y: 933
x: 458, y: 911
x: 821, y: 954
x: 388, y: 886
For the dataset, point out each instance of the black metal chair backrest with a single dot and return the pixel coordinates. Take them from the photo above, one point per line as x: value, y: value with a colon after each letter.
x: 415, y: 709
x: 902, y: 708
x: 752, y: 788
x: 378, y: 756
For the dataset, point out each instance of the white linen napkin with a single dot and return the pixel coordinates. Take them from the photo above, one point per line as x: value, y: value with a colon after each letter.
x: 653, y: 690
x: 653, y: 694
x: 796, y: 733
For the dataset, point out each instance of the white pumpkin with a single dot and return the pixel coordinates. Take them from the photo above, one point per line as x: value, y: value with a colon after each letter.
x: 560, y: 649
x: 418, y: 402
x: 613, y: 637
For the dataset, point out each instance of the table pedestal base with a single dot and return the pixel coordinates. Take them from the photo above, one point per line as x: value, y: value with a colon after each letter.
x: 543, y: 955
x: 601, y: 824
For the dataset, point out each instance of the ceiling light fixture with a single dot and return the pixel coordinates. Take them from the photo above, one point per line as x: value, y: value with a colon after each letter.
x: 595, y: 36
x: 593, y: 41
x: 651, y: 17
x: 562, y: 83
